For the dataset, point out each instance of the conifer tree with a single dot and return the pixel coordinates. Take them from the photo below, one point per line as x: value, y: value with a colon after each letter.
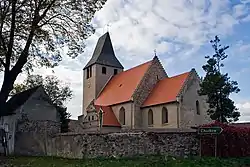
x: 217, y: 86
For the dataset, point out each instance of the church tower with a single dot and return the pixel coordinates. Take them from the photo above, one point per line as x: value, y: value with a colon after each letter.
x: 100, y: 68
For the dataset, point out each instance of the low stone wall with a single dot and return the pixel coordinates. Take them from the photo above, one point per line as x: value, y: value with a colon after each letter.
x: 33, y: 137
x: 43, y: 139
x: 124, y: 144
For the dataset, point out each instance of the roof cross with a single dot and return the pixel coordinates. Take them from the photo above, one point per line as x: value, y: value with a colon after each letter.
x: 155, y: 52
x: 106, y: 27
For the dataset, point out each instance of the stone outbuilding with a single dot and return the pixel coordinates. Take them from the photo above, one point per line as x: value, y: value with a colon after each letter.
x: 30, y: 105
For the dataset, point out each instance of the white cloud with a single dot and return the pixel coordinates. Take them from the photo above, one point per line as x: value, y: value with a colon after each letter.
x: 244, y: 109
x: 176, y: 30
x: 244, y: 47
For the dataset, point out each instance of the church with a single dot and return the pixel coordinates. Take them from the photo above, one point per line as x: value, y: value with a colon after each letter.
x: 138, y: 98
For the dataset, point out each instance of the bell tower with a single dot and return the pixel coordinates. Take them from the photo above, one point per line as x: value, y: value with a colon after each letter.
x: 100, y: 68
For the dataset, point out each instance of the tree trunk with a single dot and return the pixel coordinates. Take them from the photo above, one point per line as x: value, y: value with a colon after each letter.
x: 8, y: 82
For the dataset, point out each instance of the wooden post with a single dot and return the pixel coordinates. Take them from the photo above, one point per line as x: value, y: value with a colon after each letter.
x: 215, y: 145
x: 200, y: 146
x: 100, y: 119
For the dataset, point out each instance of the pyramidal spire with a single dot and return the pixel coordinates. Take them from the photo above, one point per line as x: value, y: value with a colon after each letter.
x: 104, y: 53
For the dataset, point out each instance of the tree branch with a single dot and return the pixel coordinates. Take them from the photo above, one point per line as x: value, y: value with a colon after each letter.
x: 12, y: 33
x: 2, y: 62
x: 47, y: 21
x: 46, y: 10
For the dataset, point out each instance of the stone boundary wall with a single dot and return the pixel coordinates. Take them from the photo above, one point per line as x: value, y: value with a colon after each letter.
x: 42, y: 138
x: 32, y: 137
x: 125, y: 144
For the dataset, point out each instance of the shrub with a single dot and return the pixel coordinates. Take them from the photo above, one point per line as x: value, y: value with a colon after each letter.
x: 232, y: 142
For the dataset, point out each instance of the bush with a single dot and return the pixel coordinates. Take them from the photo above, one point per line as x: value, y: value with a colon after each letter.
x: 232, y: 142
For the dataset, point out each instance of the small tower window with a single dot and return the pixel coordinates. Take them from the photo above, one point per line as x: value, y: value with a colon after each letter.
x: 115, y: 71
x: 104, y: 70
x: 93, y: 117
x: 89, y: 72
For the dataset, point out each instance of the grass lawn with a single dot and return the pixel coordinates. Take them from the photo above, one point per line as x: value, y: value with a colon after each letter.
x: 151, y: 161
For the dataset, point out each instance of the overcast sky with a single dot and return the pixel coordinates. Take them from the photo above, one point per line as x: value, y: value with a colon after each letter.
x: 180, y: 31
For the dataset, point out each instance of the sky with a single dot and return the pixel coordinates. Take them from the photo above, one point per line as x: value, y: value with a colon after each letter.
x: 178, y: 30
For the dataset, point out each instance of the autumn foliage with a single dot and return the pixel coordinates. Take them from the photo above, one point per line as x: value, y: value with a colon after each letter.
x: 234, y: 141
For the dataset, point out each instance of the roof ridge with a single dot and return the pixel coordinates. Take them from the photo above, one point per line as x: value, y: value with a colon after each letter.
x: 20, y: 98
x: 137, y: 66
x: 179, y: 74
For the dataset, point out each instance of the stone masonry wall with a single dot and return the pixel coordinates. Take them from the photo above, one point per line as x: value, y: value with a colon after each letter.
x: 32, y: 137
x: 43, y: 139
x: 188, y: 113
x: 31, y: 140
x: 124, y: 144
x: 155, y: 73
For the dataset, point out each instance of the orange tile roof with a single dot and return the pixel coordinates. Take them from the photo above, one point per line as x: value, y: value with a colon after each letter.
x: 122, y: 86
x: 109, y: 118
x: 166, y: 90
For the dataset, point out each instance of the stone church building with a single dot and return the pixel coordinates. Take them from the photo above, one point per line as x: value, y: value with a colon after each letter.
x: 138, y: 98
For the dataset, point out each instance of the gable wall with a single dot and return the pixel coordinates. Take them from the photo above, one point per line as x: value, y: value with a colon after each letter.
x: 147, y: 84
x: 38, y: 109
x: 157, y: 116
x: 188, y: 115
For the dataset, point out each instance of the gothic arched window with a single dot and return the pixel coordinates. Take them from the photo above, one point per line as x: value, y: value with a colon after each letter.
x: 150, y: 117
x: 122, y: 116
x: 164, y: 115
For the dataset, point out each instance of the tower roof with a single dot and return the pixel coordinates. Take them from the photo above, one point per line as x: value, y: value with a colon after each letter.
x: 104, y: 53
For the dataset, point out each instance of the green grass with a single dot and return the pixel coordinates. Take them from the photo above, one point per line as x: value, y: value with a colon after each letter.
x: 150, y: 161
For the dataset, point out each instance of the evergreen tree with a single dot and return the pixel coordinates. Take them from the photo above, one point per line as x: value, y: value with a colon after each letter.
x: 217, y: 86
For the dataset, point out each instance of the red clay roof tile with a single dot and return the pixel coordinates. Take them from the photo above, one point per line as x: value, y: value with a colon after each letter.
x: 166, y: 90
x: 109, y: 118
x: 122, y: 86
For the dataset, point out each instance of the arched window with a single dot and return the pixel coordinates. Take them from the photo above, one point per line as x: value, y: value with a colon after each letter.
x: 164, y: 115
x: 197, y: 104
x: 150, y: 117
x: 104, y: 70
x: 122, y: 116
